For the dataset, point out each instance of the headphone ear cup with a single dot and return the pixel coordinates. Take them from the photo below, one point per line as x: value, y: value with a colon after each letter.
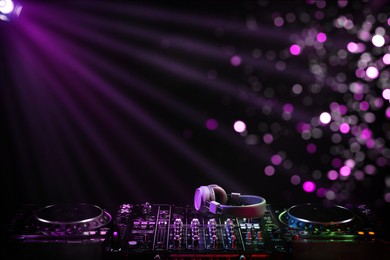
x: 203, y: 194
x: 219, y: 194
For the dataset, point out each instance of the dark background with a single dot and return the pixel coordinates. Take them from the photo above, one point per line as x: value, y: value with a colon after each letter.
x: 106, y: 102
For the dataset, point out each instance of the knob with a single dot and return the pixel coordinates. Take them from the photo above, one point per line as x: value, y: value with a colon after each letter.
x: 233, y: 240
x: 195, y: 241
x: 147, y: 208
x: 178, y: 223
x: 194, y: 222
x: 211, y: 223
x: 214, y: 241
x: 229, y: 222
x: 177, y: 241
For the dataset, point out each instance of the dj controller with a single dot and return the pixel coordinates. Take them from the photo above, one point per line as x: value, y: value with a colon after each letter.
x: 165, y: 231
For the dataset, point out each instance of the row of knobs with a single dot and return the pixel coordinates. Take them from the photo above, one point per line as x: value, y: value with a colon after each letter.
x: 212, y: 231
x: 211, y: 224
x: 178, y: 231
x: 230, y: 233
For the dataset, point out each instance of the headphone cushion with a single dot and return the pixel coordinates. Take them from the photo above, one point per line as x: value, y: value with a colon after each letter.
x: 203, y: 194
x: 218, y: 194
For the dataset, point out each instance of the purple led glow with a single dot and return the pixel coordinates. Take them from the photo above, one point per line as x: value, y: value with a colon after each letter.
x: 269, y: 170
x: 321, y: 37
x: 268, y: 138
x: 366, y: 134
x: 343, y: 109
x: 321, y: 192
x: 360, y: 73
x: 330, y: 195
x: 345, y: 171
x: 381, y: 162
x: 337, y: 162
x: 276, y: 159
x: 370, y: 144
x: 386, y: 59
x: 386, y: 197
x: 333, y: 175
x: 356, y: 87
x: 301, y: 127
x: 309, y: 186
x: 311, y: 148
x: 295, y: 49
x: 334, y: 106
x: 386, y: 94
x: 350, y: 163
x: 378, y: 40
x: 353, y: 47
x: 239, y: 126
x: 342, y: 3
x: 325, y: 118
x: 295, y: 180
x: 387, y: 113
x: 211, y: 124
x: 359, y: 175
x: 372, y: 72
x: 344, y: 128
x: 370, y: 169
x: 358, y: 96
x: 288, y: 108
x: 278, y: 21
x: 235, y: 60
x: 378, y: 102
x: 364, y: 105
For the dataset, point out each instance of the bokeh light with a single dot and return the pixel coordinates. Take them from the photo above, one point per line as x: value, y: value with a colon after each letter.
x: 212, y: 124
x: 309, y: 186
x: 239, y: 126
x: 378, y: 40
x: 295, y: 49
x: 372, y: 72
x: 325, y: 118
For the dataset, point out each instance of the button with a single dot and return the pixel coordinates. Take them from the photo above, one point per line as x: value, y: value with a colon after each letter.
x: 132, y: 243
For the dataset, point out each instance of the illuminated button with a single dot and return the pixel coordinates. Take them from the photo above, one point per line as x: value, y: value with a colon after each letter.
x: 248, y: 236
x: 371, y: 233
x: 132, y: 243
x: 360, y: 233
x: 259, y: 235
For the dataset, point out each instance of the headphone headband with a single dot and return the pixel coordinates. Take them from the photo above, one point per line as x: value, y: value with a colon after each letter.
x: 245, y: 206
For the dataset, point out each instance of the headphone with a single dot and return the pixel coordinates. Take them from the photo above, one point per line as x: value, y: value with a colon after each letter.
x: 213, y: 199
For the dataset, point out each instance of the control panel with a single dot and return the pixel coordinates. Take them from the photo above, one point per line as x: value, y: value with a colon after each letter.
x: 162, y: 231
